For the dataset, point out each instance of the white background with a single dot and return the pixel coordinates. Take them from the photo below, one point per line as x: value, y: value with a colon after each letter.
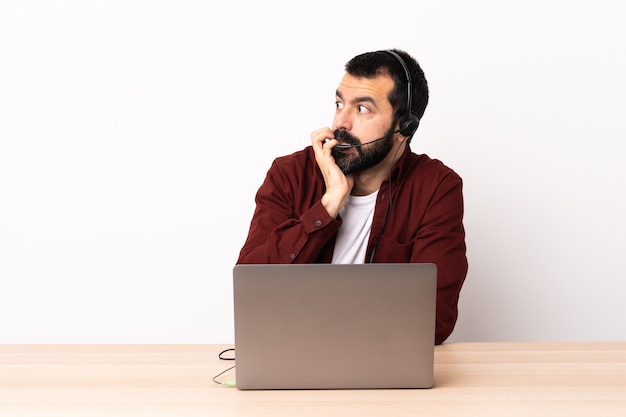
x: 134, y: 134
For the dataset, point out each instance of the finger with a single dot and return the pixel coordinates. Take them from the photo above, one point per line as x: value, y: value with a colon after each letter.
x: 319, y: 137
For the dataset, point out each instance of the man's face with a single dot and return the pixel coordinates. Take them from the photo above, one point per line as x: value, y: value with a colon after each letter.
x: 363, y: 114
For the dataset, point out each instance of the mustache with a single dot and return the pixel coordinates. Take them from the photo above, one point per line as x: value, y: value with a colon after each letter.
x: 345, y: 137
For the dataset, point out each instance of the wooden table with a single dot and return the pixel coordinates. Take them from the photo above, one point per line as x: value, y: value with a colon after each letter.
x: 471, y: 379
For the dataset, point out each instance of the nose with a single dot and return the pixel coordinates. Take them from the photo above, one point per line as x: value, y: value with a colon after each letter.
x: 342, y: 120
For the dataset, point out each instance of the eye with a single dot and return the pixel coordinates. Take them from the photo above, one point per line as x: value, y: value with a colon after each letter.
x: 338, y: 105
x: 362, y: 109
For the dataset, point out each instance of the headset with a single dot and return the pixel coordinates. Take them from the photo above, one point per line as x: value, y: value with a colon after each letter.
x: 408, y: 125
x: 409, y: 122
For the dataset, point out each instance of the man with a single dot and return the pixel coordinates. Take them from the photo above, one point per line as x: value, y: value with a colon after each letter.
x: 359, y: 194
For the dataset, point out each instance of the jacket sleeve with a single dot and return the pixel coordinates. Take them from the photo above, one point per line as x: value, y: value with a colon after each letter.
x: 441, y: 240
x: 283, y: 228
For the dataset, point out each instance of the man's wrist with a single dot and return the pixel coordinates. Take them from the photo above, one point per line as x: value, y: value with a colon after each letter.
x: 332, y: 205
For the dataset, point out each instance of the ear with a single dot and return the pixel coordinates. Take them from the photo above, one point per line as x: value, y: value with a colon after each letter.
x: 401, y: 137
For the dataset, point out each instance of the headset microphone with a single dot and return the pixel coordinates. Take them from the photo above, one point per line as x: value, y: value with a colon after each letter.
x: 343, y: 146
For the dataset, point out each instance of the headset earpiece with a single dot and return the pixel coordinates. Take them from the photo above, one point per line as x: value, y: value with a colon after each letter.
x: 408, y: 122
x: 408, y: 125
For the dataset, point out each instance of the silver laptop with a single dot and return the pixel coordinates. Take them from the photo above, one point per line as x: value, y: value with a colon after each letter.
x: 325, y: 326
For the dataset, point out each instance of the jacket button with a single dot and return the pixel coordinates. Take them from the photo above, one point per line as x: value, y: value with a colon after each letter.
x: 292, y: 255
x: 318, y: 223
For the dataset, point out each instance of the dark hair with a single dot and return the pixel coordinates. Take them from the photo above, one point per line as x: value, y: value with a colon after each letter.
x: 373, y: 64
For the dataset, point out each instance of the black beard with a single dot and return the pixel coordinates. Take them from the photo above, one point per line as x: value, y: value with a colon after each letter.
x: 366, y: 156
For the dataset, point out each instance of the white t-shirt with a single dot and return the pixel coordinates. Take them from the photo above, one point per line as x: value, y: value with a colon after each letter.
x: 354, y: 233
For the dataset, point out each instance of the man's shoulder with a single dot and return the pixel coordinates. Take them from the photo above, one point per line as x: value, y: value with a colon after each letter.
x: 302, y: 155
x: 302, y: 160
x: 298, y: 163
x: 423, y: 164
